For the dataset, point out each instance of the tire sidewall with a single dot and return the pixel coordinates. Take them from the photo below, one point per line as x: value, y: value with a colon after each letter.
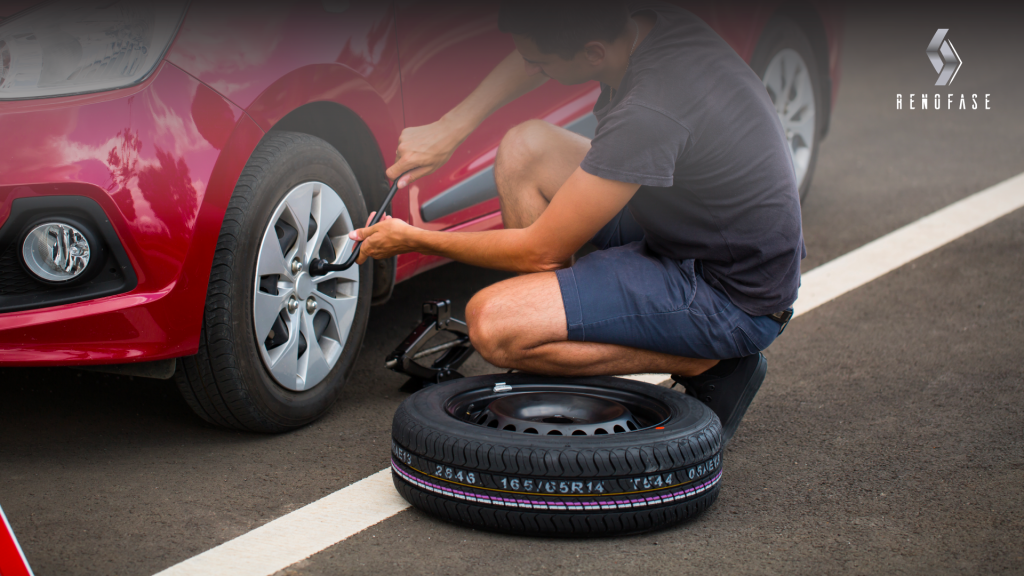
x: 780, y: 33
x: 299, y: 158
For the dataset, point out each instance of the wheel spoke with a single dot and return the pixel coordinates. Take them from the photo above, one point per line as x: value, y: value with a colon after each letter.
x: 271, y: 260
x: 342, y: 310
x: 284, y: 364
x: 347, y: 246
x: 804, y: 127
x: 804, y: 96
x: 795, y: 112
x: 773, y: 81
x: 300, y: 205
x: 796, y: 71
x: 267, y: 307
x: 312, y: 366
x: 330, y: 209
x: 786, y: 71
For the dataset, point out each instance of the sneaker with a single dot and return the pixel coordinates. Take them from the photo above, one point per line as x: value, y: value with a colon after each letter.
x: 727, y: 389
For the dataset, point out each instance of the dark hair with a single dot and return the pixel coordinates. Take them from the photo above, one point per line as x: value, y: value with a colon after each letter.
x: 564, y: 27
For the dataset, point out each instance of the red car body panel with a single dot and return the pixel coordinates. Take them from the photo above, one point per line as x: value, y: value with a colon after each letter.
x: 161, y: 158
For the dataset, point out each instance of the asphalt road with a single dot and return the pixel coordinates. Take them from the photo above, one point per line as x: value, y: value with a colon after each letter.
x: 888, y: 437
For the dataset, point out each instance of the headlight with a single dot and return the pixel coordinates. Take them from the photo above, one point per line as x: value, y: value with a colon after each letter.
x: 70, y: 46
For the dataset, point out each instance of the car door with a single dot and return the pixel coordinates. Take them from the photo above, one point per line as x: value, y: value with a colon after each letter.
x: 445, y: 50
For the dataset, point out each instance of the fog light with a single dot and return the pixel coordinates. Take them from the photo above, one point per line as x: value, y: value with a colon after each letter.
x: 56, y: 252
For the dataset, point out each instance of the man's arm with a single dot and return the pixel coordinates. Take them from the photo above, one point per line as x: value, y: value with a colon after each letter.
x: 424, y: 149
x: 580, y: 208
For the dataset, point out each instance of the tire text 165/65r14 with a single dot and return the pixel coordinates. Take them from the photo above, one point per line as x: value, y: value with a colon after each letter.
x: 639, y: 457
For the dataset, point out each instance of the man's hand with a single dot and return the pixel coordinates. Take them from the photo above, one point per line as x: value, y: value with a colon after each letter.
x: 424, y: 149
x: 385, y: 239
x: 580, y: 208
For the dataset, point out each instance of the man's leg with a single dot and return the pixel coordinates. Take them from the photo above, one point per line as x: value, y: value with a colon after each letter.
x: 520, y: 323
x: 534, y: 159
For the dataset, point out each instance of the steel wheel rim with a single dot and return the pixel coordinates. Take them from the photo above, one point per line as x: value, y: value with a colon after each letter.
x: 563, y: 409
x: 316, y: 312
x: 788, y: 82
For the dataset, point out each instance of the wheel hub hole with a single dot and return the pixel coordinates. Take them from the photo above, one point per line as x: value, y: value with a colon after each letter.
x: 557, y: 419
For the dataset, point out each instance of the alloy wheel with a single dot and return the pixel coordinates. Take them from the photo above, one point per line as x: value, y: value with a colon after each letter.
x: 302, y: 322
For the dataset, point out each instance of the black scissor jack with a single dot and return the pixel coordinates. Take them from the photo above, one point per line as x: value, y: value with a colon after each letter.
x: 436, y: 321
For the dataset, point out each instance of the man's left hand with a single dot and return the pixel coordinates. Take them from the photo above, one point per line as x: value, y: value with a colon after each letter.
x: 385, y: 239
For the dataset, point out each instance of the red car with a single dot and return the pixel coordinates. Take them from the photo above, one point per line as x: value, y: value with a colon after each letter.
x: 169, y: 170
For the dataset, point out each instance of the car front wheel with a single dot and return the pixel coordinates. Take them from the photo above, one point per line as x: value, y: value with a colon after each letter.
x: 277, y: 343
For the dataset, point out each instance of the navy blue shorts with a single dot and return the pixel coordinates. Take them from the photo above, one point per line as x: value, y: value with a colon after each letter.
x: 625, y: 294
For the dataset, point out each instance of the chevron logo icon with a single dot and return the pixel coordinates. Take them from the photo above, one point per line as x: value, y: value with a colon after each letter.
x: 943, y: 57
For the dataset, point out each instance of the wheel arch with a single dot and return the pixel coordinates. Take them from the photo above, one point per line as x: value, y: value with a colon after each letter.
x: 808, y: 18
x: 343, y: 129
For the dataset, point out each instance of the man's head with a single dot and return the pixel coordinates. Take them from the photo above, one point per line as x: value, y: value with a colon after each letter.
x: 568, y: 41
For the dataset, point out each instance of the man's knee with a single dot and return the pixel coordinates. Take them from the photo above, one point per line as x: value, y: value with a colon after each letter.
x: 520, y: 148
x: 509, y: 320
x: 484, y: 319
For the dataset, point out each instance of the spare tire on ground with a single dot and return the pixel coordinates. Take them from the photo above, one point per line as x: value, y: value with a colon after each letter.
x: 541, y: 455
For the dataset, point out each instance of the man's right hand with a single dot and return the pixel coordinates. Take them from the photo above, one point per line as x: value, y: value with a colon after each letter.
x: 424, y: 149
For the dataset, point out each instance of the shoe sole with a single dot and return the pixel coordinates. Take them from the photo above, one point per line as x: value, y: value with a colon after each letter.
x: 749, y: 391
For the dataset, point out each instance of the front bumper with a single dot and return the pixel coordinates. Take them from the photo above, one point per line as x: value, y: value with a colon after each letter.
x: 160, y: 160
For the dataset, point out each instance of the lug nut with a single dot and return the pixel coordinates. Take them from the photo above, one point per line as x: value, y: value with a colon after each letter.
x: 296, y: 266
x: 293, y: 305
x: 310, y: 305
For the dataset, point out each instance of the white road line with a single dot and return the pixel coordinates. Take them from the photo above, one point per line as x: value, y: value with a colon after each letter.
x: 299, y: 534
x: 881, y: 256
x: 310, y: 529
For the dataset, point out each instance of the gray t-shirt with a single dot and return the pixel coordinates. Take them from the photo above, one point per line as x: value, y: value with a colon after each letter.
x: 694, y: 126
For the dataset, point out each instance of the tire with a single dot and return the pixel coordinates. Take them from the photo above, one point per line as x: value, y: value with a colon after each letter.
x: 591, y: 484
x: 234, y: 380
x: 782, y: 43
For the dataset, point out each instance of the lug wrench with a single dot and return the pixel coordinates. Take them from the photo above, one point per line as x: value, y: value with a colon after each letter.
x: 319, y: 266
x: 436, y: 319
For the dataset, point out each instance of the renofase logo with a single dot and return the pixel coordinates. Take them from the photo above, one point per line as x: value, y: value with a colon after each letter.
x: 946, y: 61
x: 944, y: 58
